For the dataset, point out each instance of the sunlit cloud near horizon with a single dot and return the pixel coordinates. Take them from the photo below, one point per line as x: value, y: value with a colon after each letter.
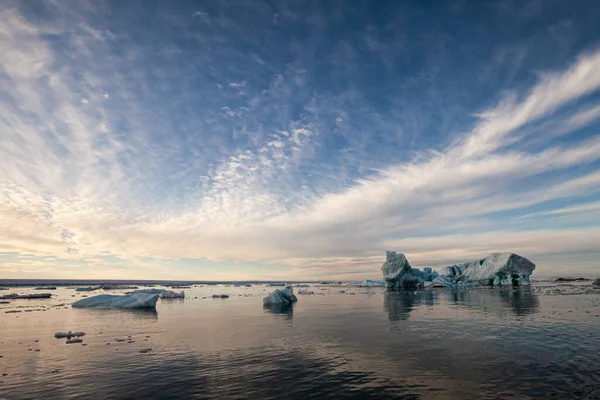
x: 296, y: 140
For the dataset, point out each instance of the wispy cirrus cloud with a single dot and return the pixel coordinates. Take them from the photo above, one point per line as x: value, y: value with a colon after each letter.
x: 125, y: 160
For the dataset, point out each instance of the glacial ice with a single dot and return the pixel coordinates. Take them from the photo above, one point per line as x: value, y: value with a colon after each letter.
x: 496, y: 269
x: 281, y: 296
x: 136, y: 300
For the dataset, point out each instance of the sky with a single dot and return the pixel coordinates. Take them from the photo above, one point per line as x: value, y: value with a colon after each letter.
x: 291, y: 140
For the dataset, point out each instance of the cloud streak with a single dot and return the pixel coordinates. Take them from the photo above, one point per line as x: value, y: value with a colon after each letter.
x: 125, y: 160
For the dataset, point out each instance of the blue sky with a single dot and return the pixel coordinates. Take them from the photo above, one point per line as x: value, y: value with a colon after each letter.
x: 296, y: 139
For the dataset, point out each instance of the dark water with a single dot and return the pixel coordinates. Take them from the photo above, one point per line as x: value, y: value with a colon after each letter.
x: 535, y: 342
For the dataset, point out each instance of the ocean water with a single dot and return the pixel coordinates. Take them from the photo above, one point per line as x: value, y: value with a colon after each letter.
x: 471, y: 343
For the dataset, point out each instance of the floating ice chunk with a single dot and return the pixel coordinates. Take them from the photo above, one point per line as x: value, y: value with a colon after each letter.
x: 68, y: 335
x: 118, y: 287
x: 276, y: 284
x: 306, y: 292
x: 86, y: 289
x: 281, y: 296
x: 163, y: 293
x: 303, y: 285
x: 370, y: 283
x: 169, y: 294
x: 341, y: 291
x: 3, y: 288
x: 136, y: 300
x: 27, y: 296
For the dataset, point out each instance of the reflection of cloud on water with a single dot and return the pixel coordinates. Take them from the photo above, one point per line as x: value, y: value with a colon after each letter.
x: 519, y: 300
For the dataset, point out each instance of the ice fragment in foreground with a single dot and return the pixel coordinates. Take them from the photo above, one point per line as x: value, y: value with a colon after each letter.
x: 281, y: 296
x: 136, y: 300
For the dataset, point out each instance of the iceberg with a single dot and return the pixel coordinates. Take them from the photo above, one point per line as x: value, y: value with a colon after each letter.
x: 497, y: 269
x: 281, y: 296
x: 136, y: 300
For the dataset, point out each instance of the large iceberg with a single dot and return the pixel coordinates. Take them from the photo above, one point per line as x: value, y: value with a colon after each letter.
x: 136, y: 300
x: 496, y: 269
x: 281, y: 296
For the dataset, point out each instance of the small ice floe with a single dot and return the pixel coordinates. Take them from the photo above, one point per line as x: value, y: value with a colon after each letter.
x: 163, y: 293
x: 276, y: 284
x: 570, y: 279
x: 68, y: 335
x: 3, y: 288
x: 341, y: 291
x: 281, y: 296
x: 305, y: 292
x: 370, y: 283
x: 118, y: 287
x: 137, y: 300
x: 74, y: 340
x: 145, y: 350
x: 303, y: 285
x: 120, y: 340
x: 13, y: 296
x: 86, y: 289
x: 220, y: 296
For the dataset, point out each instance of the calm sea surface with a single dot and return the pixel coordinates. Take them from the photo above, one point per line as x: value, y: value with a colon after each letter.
x: 475, y: 343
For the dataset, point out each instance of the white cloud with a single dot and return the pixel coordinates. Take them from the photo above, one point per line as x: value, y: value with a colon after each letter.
x: 77, y: 182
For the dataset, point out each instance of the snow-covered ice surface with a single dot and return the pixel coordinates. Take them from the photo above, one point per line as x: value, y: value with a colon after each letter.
x: 136, y: 300
x: 451, y: 342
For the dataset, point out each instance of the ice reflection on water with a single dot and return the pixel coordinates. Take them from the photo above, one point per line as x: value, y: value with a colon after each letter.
x: 440, y: 343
